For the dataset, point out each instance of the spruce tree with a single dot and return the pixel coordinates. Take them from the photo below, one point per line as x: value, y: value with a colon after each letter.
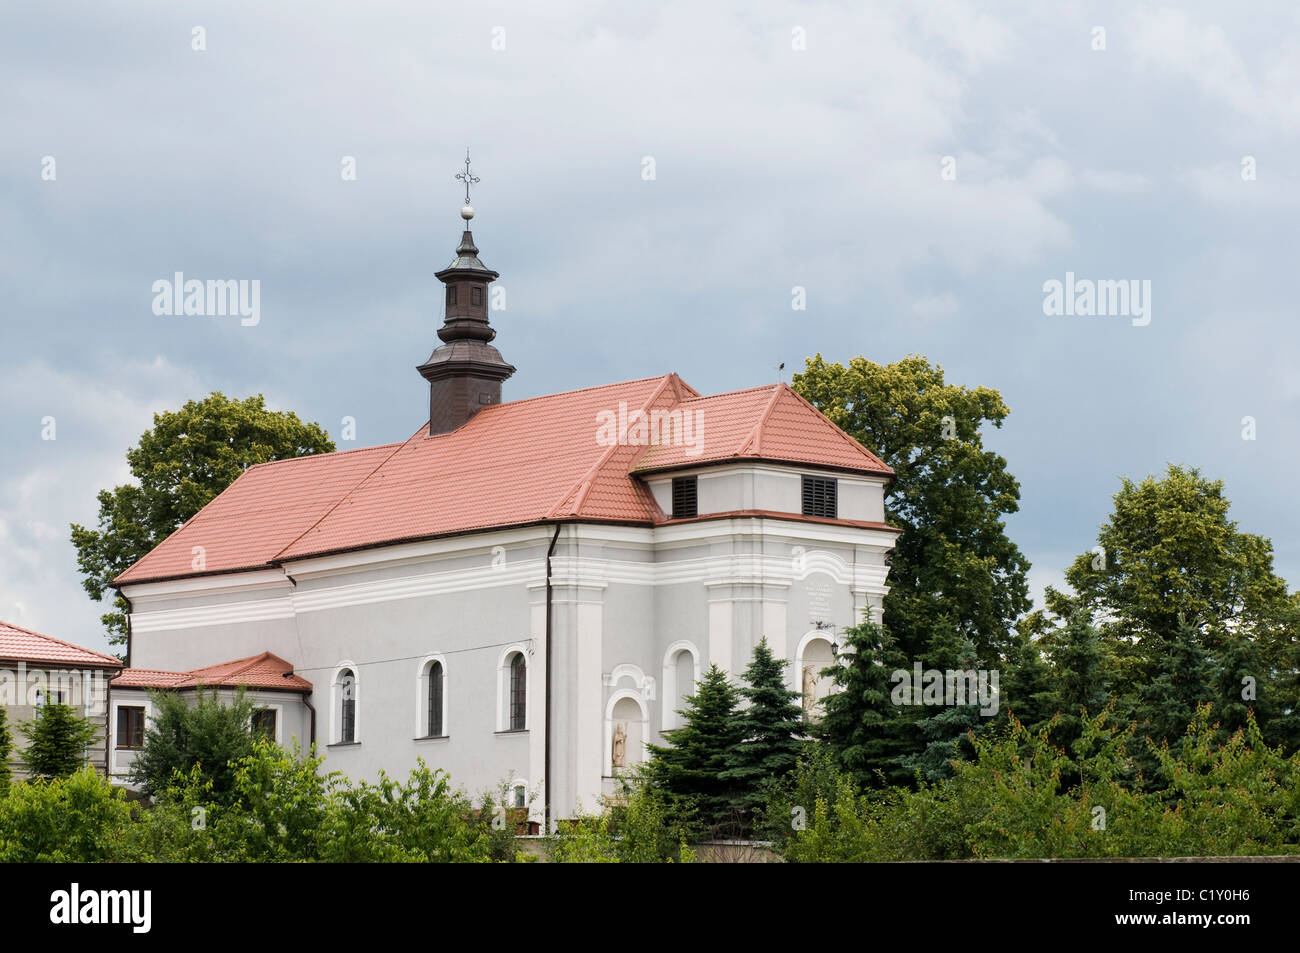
x: 1027, y: 686
x: 770, y: 729
x: 688, y: 771
x: 941, y: 734
x: 1080, y: 676
x: 1168, y: 705
x: 1237, y: 658
x: 861, y: 724
x: 6, y: 750
x: 57, y: 739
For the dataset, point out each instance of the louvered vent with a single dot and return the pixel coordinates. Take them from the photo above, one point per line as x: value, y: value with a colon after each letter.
x: 684, y: 498
x: 819, y: 497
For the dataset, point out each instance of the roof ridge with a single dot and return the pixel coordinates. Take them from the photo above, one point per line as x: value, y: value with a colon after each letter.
x: 844, y: 435
x: 319, y: 456
x: 579, y: 390
x: 733, y: 393
x: 347, y: 493
x: 755, y: 437
x: 583, y: 486
x: 241, y: 665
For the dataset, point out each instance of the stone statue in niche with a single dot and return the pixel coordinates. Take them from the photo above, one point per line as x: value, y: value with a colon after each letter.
x: 809, y: 690
x: 619, y: 754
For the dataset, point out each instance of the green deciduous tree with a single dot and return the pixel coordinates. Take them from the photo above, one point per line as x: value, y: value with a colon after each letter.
x: 1169, y: 555
x: 57, y: 739
x: 770, y: 728
x: 209, y: 734
x: 179, y: 466
x: 953, y: 563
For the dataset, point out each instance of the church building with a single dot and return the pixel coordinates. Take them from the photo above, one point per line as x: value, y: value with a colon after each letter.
x: 523, y: 590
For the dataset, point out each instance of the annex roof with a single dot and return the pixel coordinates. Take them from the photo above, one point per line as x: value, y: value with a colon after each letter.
x: 265, y: 671
x: 23, y: 645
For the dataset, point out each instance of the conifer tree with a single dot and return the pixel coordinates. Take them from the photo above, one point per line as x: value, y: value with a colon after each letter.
x: 1080, y: 676
x: 770, y: 729
x: 1237, y: 659
x: 1027, y: 686
x: 688, y: 771
x: 1169, y: 704
x: 56, y: 741
x: 861, y: 724
x: 942, y: 732
x: 6, y: 750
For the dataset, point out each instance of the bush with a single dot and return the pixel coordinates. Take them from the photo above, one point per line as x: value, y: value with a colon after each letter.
x: 209, y: 734
x: 637, y: 829
x: 78, y: 819
x: 1011, y: 802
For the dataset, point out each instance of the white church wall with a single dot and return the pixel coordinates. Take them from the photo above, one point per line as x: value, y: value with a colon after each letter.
x: 629, y: 605
x: 728, y: 488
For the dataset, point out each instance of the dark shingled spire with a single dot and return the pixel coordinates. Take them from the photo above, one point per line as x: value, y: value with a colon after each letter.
x: 465, y: 372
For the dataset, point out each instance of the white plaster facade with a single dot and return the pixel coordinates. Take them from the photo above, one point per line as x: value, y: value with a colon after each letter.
x: 637, y: 614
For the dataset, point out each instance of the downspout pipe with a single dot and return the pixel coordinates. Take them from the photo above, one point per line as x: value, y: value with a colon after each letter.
x: 129, y: 610
x: 546, y: 735
x: 306, y: 696
x: 311, y: 708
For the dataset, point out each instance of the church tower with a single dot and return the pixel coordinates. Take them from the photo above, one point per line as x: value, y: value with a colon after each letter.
x: 464, y: 372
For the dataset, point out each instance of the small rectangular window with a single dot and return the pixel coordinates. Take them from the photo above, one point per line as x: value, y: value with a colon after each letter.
x: 264, y: 723
x: 476, y: 296
x: 684, y: 498
x: 819, y: 497
x: 451, y: 294
x: 130, y: 726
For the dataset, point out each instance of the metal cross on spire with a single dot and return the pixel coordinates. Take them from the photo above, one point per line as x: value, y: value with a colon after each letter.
x: 467, y: 177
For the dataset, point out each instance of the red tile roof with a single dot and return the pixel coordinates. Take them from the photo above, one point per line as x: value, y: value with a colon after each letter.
x: 513, y: 464
x: 265, y: 671
x: 23, y: 645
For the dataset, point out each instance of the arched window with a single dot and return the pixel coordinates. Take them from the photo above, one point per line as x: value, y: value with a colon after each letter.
x: 680, y: 673
x: 518, y: 692
x: 347, y: 695
x: 435, y: 700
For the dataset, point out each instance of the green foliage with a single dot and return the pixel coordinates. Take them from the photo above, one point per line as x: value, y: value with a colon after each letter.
x: 180, y: 464
x: 770, y: 731
x: 953, y: 565
x: 1169, y: 703
x: 6, y: 751
x: 77, y: 819
x: 1022, y: 797
x: 940, y: 733
x: 209, y: 733
x: 1172, y: 558
x: 284, y: 809
x: 1080, y: 675
x: 860, y: 722
x: 636, y: 829
x: 688, y: 771
x: 57, y: 739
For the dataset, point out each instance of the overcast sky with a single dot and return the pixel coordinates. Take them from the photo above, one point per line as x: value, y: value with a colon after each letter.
x: 774, y: 167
